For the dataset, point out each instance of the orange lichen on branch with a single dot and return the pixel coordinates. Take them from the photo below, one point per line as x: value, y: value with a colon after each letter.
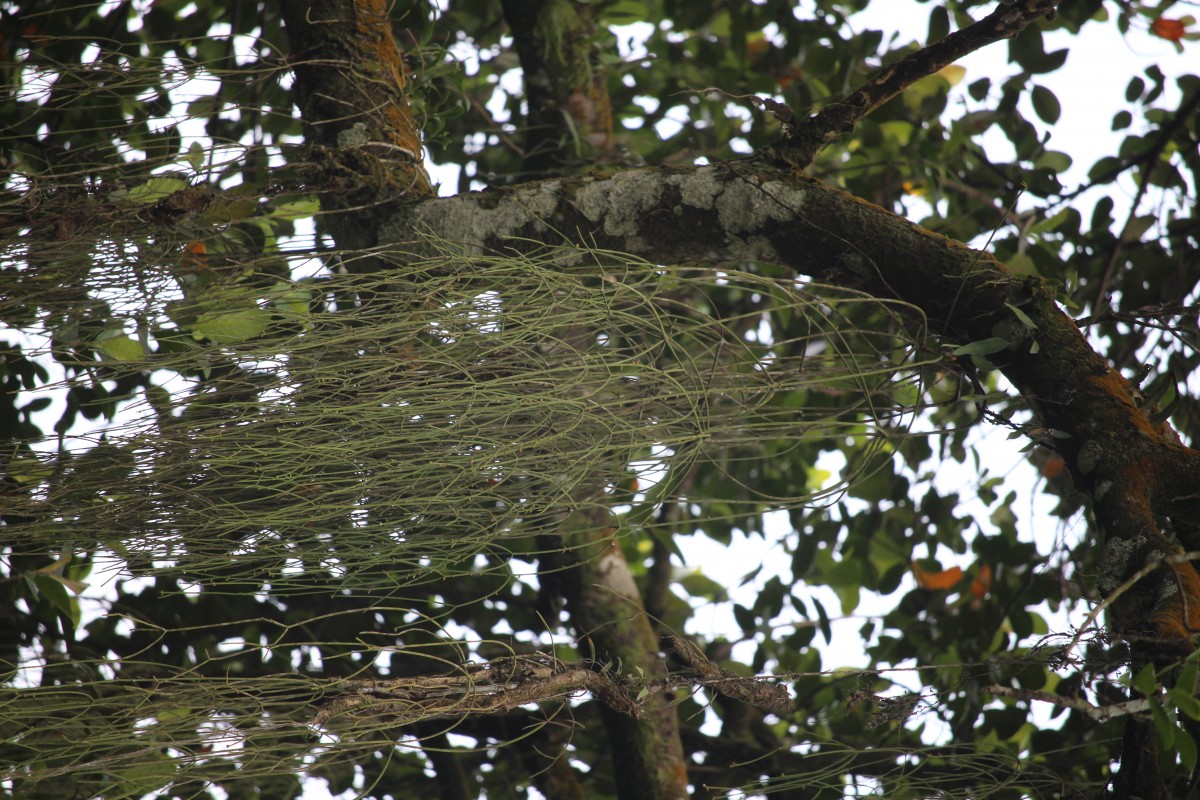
x: 1177, y: 618
x: 374, y: 32
x: 1114, y: 384
x: 351, y: 89
x: 1163, y: 604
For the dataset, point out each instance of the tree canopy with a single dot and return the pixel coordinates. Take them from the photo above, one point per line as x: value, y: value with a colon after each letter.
x: 311, y: 475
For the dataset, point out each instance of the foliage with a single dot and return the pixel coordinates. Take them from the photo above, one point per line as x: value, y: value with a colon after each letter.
x: 282, y: 476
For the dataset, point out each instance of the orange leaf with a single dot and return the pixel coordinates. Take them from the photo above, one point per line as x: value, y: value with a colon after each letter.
x: 1170, y: 29
x: 788, y: 77
x: 982, y: 582
x: 936, y: 580
x: 195, y: 257
x: 1053, y: 466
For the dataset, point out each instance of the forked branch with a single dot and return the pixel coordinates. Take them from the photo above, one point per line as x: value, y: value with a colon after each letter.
x: 829, y: 124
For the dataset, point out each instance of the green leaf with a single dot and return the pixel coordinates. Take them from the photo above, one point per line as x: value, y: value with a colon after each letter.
x: 823, y: 621
x: 1023, y: 317
x: 1021, y: 265
x: 1164, y: 728
x: 1135, y: 89
x: 1046, y: 105
x: 75, y: 586
x: 1146, y: 681
x: 54, y: 591
x: 154, y: 190
x: 295, y: 209
x: 624, y: 12
x: 1052, y: 222
x: 1185, y: 746
x: 195, y: 156
x: 121, y: 348
x: 1188, y: 675
x: 697, y: 584
x: 293, y: 300
x: 898, y: 131
x: 231, y: 327
x: 1054, y: 161
x: 150, y: 772
x: 1185, y: 702
x: 177, y: 714
x: 983, y: 347
x: 28, y: 469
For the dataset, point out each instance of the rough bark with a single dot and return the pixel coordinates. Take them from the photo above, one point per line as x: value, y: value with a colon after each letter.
x: 350, y: 88
x: 1133, y: 470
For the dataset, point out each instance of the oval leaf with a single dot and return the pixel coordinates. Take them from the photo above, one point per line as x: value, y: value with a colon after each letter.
x: 231, y: 327
x: 1046, y: 105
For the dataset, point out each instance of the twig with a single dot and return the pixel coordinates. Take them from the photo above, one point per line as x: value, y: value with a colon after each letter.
x: 768, y: 696
x: 827, y: 126
x: 1098, y: 713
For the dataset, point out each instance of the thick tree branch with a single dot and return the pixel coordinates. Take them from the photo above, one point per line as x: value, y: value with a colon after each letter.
x: 1080, y: 704
x: 831, y: 123
x: 1131, y: 468
x: 350, y: 87
x: 497, y: 687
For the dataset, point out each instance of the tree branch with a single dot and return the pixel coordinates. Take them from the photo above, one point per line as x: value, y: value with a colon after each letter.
x: 1098, y: 713
x: 832, y: 122
x: 1131, y: 468
x: 606, y: 610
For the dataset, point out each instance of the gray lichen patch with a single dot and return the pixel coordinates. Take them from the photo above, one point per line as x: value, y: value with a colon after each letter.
x: 698, y: 189
x: 471, y: 221
x: 751, y: 248
x: 745, y: 210
x: 747, y: 206
x: 1166, y: 590
x: 1089, y: 456
x: 742, y: 204
x: 621, y: 201
x: 1117, y: 553
x: 356, y: 134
